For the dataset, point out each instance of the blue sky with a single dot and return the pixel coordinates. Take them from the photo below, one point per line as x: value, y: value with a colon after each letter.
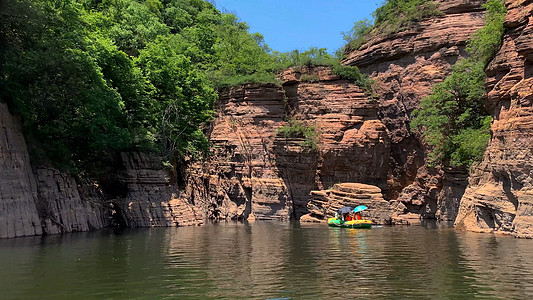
x: 300, y: 24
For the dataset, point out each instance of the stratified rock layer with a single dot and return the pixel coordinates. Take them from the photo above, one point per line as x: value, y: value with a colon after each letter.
x: 405, y: 66
x: 257, y: 172
x: 61, y: 207
x: 325, y: 203
x: 150, y: 200
x: 18, y: 189
x: 500, y: 192
x: 241, y: 178
x: 48, y: 201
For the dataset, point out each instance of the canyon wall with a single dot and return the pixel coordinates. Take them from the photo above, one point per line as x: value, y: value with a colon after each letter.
x: 64, y: 206
x: 364, y: 142
x: 43, y: 200
x: 257, y: 172
x: 499, y: 196
x: 18, y: 189
x: 405, y: 65
x: 144, y: 195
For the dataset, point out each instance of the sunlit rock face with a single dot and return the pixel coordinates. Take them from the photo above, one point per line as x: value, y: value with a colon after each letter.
x: 257, y: 172
x: 353, y: 144
x: 241, y: 179
x: 325, y: 203
x: 405, y: 66
x: 499, y: 196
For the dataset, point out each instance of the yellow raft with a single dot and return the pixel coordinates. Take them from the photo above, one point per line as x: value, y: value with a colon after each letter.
x: 334, y: 222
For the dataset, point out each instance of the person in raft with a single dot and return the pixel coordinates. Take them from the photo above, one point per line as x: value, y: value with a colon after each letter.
x: 349, y: 217
x: 357, y: 216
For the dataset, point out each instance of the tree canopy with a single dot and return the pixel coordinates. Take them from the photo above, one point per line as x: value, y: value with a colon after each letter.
x: 89, y: 77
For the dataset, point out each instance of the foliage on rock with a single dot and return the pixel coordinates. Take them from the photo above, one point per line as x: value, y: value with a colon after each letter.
x: 452, y: 119
x: 320, y: 57
x: 391, y: 16
x: 298, y: 129
x: 92, y: 77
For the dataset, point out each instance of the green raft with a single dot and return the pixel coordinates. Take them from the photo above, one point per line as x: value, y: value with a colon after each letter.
x: 333, y: 222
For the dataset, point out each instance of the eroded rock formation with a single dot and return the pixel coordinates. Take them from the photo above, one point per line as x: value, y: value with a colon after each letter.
x: 500, y: 192
x: 256, y: 171
x: 405, y: 66
x: 241, y: 177
x: 48, y: 201
x: 325, y: 203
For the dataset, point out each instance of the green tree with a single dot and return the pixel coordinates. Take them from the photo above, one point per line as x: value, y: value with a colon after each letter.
x: 452, y: 119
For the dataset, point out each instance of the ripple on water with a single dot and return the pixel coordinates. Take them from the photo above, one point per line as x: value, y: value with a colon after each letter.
x: 267, y: 260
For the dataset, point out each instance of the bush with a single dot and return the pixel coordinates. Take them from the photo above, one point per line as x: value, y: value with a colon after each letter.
x: 320, y: 57
x: 396, y: 15
x: 353, y: 74
x: 309, y: 78
x: 298, y: 129
x: 312, y: 57
x: 356, y: 36
x: 452, y: 119
x: 237, y: 80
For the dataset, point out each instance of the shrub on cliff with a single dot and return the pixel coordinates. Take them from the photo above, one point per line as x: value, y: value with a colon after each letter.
x: 298, y: 129
x: 320, y: 57
x: 396, y: 15
x: 452, y: 119
x: 356, y: 36
x: 391, y: 16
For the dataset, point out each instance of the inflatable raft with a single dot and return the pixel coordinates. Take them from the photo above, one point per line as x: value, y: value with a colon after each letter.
x: 333, y: 222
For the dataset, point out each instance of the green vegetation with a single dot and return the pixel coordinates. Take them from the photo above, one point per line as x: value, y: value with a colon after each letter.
x: 452, y: 119
x: 395, y: 15
x: 92, y: 77
x: 357, y: 35
x: 298, y: 129
x: 391, y: 16
x: 320, y: 57
x: 309, y: 78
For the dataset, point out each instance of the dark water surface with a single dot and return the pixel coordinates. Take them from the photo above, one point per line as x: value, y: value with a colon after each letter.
x: 266, y: 260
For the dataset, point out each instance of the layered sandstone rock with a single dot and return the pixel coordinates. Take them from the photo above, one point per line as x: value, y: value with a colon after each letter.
x: 149, y: 199
x: 256, y: 171
x: 500, y: 192
x: 241, y: 177
x: 405, y: 65
x: 353, y: 144
x: 18, y: 189
x: 61, y: 207
x: 325, y: 203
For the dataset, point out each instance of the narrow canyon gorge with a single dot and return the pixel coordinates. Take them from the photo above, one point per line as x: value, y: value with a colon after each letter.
x: 364, y: 151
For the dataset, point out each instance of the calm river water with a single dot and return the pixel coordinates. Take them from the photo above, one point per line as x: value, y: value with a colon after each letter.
x: 268, y: 260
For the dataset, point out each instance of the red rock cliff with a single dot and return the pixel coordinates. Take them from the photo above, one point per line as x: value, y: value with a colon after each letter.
x: 405, y: 66
x: 500, y: 192
x: 256, y: 172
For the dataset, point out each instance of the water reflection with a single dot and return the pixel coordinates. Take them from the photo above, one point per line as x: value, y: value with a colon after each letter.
x: 267, y: 260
